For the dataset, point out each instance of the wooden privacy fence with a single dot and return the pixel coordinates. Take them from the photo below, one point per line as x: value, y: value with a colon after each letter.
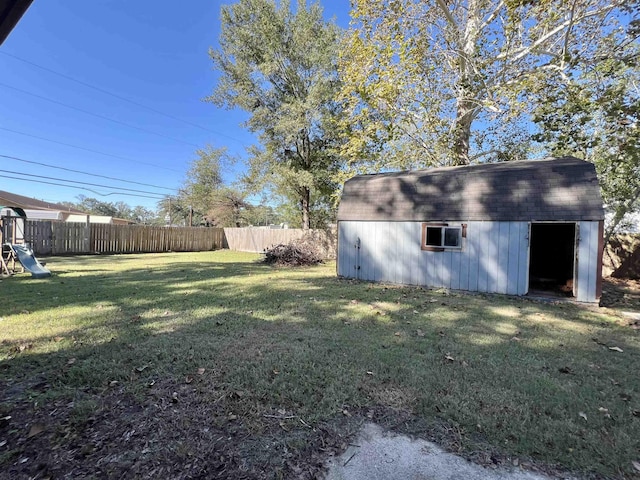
x: 67, y: 238
x: 62, y: 238
x: 70, y: 238
x: 38, y: 235
x: 142, y: 239
x: 254, y: 239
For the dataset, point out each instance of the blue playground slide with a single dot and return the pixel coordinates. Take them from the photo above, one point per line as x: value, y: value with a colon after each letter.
x: 30, y: 262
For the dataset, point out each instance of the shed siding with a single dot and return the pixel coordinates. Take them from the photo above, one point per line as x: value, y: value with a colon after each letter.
x: 587, y: 262
x: 503, y: 248
x: 482, y: 240
x: 494, y: 257
x: 523, y: 258
x: 473, y: 260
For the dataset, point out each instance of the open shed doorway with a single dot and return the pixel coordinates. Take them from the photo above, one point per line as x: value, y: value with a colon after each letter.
x: 552, y: 252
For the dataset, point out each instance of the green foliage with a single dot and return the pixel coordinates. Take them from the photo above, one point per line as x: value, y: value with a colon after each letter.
x: 174, y: 210
x: 445, y: 83
x: 595, y: 114
x: 204, y: 199
x: 280, y: 67
x: 203, y: 180
x: 93, y: 206
x: 227, y: 208
x: 138, y: 214
x: 262, y: 215
x: 322, y: 212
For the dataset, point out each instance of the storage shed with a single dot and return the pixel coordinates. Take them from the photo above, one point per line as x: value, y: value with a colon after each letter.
x: 513, y: 228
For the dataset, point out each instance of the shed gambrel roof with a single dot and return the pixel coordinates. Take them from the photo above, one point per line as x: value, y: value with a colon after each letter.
x: 555, y: 189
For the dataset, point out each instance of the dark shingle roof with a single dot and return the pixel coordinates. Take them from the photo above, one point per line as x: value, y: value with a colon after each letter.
x: 556, y: 189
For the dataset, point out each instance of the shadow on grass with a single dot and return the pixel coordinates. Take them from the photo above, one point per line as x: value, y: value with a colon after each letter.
x: 188, y: 353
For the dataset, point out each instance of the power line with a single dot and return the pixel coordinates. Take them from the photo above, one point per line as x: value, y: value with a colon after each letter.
x: 81, y: 188
x: 89, y: 150
x: 86, y: 173
x: 80, y: 183
x: 124, y: 99
x: 97, y: 115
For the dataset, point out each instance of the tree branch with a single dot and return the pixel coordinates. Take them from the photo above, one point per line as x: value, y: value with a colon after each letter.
x: 492, y: 16
x: 483, y: 154
x: 524, y: 51
x: 447, y: 13
x: 565, y: 48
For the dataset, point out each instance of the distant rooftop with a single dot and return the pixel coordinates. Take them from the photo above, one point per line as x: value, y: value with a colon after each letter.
x: 9, y: 199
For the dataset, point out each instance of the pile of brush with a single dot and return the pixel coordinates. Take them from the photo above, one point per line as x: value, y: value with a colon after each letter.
x: 297, y: 253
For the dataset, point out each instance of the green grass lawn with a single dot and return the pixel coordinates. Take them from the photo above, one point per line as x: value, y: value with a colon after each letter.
x: 212, y: 365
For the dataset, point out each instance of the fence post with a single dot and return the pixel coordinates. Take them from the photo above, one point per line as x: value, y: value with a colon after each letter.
x: 87, y: 235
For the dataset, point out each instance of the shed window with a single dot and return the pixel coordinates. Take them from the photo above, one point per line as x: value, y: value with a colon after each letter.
x: 439, y: 237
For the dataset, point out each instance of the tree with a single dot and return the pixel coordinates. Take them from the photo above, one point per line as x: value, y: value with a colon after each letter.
x: 138, y: 214
x: 174, y: 210
x: 93, y: 206
x: 595, y: 114
x: 280, y: 67
x: 204, y: 199
x: 227, y: 208
x: 203, y: 180
x: 143, y: 215
x: 262, y: 215
x: 444, y: 82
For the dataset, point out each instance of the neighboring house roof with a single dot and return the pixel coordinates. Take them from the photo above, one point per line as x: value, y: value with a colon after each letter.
x: 122, y: 221
x: 39, y: 210
x: 556, y: 189
x: 10, y: 13
x: 106, y: 219
x: 12, y: 199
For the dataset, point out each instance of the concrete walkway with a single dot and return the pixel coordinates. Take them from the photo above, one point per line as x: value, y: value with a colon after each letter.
x: 387, y: 456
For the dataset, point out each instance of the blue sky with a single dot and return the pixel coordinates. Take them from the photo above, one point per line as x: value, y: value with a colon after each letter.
x: 149, y: 52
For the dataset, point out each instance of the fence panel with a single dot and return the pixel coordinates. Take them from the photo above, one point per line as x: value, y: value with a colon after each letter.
x: 255, y: 239
x: 66, y: 238
x: 70, y: 238
x: 149, y: 239
x: 39, y: 236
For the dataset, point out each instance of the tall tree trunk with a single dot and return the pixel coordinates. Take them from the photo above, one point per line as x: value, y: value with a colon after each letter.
x: 465, y: 109
x: 304, y: 150
x: 305, y: 206
x: 462, y: 132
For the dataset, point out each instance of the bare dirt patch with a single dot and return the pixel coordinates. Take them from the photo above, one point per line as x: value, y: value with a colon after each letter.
x: 188, y: 435
x: 621, y: 294
x: 198, y: 431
